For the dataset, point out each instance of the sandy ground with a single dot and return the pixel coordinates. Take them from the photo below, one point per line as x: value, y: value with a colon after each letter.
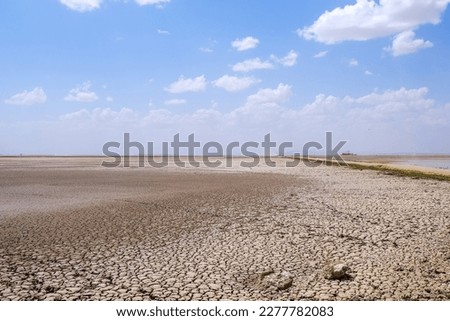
x: 72, y: 230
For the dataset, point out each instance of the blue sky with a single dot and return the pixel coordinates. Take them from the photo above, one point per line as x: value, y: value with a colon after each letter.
x: 75, y: 74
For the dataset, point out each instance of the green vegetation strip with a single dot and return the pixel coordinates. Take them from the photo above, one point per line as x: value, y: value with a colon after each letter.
x: 416, y: 174
x: 387, y: 170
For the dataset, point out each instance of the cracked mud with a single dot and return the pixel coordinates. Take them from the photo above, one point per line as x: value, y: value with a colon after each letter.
x: 70, y: 230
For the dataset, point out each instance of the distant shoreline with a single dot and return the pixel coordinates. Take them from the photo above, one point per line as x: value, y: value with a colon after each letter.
x: 391, y: 165
x: 353, y: 157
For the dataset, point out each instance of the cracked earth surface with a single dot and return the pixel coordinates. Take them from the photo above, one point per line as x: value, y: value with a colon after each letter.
x: 70, y: 230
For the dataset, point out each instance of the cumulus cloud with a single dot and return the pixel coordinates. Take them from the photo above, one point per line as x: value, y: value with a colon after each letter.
x: 82, y: 5
x: 158, y: 3
x: 102, y: 114
x: 245, y: 43
x: 28, y: 98
x: 187, y: 84
x: 89, y: 5
x: 268, y: 95
x: 173, y: 102
x: 396, y: 106
x: 368, y: 19
x: 288, y: 61
x: 390, y: 121
x: 235, y: 84
x: 396, y: 100
x: 209, y: 48
x: 82, y: 93
x: 321, y: 54
x: 206, y: 49
x: 353, y: 62
x: 252, y: 64
x: 162, y: 32
x: 405, y: 43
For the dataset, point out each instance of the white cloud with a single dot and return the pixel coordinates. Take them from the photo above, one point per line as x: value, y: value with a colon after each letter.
x: 288, y: 61
x: 28, y: 98
x: 234, y: 84
x: 368, y: 73
x: 391, y: 121
x: 210, y: 47
x: 321, y: 54
x: 163, y: 32
x: 187, y: 84
x: 82, y: 93
x: 102, y: 114
x: 206, y: 49
x: 368, y: 19
x: 252, y: 64
x: 173, y: 102
x: 82, y: 5
x: 245, y: 43
x: 397, y: 99
x: 109, y: 99
x: 89, y: 5
x: 353, y: 62
x: 268, y: 95
x: 158, y: 3
x: 322, y: 105
x: 405, y: 43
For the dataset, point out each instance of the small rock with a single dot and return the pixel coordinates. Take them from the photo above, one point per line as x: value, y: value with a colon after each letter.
x: 337, y: 271
x: 146, y: 289
x: 214, y: 286
x: 269, y: 279
x: 197, y: 296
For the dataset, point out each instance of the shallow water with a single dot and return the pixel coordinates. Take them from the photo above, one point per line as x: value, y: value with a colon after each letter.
x: 431, y: 163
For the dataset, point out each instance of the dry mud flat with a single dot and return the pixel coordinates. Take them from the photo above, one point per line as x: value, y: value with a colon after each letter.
x: 70, y: 230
